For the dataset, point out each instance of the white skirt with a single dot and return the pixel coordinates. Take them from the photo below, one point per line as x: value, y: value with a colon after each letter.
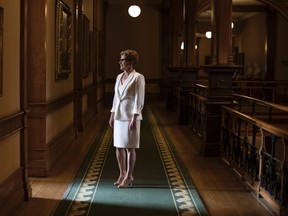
x: 125, y: 138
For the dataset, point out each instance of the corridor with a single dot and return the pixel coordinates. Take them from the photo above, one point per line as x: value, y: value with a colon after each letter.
x: 218, y: 185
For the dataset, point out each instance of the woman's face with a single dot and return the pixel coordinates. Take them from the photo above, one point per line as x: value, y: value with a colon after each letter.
x: 124, y: 64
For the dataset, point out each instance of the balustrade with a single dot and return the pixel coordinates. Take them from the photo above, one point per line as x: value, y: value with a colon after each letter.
x: 254, y: 141
x: 181, y: 80
x: 257, y: 149
x: 273, y: 91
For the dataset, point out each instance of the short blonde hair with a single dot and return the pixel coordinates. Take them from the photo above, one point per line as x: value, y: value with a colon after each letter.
x: 130, y: 55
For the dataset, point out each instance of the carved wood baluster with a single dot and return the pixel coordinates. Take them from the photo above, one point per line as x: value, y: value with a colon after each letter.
x: 246, y: 150
x: 284, y: 179
x: 261, y: 161
x: 253, y: 154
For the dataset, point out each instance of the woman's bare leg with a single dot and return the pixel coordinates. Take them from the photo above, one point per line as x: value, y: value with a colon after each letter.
x: 121, y: 158
x: 131, y: 159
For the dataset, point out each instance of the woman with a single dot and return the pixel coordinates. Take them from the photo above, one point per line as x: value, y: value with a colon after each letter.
x: 126, y: 114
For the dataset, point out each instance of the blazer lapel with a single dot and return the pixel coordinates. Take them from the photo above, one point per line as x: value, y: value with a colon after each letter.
x: 118, y: 87
x: 121, y: 89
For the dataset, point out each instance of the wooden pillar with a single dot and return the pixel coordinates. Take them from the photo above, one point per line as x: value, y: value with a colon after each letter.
x: 271, y: 23
x: 220, y: 74
x: 177, y: 37
x: 95, y: 48
x: 190, y: 33
x: 166, y: 48
x: 24, y: 100
x: 221, y: 20
x: 42, y: 152
x: 36, y: 62
x: 187, y: 82
x: 219, y: 93
x: 78, y: 66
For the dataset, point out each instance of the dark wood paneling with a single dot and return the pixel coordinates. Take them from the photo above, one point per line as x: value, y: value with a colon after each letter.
x: 10, y: 124
x: 11, y: 193
x: 42, y: 109
x: 43, y: 156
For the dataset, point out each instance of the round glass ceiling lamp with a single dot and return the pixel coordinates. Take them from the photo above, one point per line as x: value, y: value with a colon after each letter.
x: 134, y: 10
x: 208, y: 34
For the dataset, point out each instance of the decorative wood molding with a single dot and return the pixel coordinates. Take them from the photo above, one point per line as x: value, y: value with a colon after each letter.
x: 43, y: 156
x: 42, y: 159
x: 10, y: 124
x: 11, y: 193
x: 42, y: 109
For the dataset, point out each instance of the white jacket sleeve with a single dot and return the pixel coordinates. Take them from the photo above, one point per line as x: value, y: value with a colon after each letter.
x: 139, y: 94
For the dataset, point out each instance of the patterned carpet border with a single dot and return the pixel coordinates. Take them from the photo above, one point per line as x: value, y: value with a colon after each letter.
x: 184, y: 201
x: 79, y: 196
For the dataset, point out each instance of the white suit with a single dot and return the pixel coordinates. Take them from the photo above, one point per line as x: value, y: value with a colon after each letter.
x: 128, y: 100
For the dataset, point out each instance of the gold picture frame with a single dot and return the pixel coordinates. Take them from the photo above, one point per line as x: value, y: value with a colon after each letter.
x: 63, y: 40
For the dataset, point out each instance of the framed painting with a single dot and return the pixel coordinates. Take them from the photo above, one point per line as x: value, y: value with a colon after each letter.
x: 63, y: 40
x: 1, y: 51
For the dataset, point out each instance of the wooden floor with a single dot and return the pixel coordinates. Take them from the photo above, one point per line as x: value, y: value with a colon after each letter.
x: 219, y: 186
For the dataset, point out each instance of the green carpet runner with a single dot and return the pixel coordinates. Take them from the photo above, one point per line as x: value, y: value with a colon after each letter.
x: 162, y: 185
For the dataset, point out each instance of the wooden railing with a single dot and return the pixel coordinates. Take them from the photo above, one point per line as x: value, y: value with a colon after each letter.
x: 255, y: 143
x: 197, y: 112
x: 273, y: 91
x: 264, y: 110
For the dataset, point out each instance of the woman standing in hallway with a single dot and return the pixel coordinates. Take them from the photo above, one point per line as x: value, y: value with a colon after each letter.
x: 126, y: 115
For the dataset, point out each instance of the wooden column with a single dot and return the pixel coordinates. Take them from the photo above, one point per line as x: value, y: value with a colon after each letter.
x: 78, y: 66
x: 271, y: 21
x: 177, y: 37
x: 42, y: 154
x: 222, y: 32
x: 219, y: 93
x: 24, y: 100
x: 166, y: 48
x: 36, y: 65
x: 190, y: 33
x: 95, y: 48
x: 220, y: 74
x: 188, y: 77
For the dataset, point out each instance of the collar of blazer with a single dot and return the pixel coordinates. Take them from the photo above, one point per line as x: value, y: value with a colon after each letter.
x: 120, y: 91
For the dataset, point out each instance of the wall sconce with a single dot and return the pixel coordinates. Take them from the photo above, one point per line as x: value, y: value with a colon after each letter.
x: 182, y: 46
x: 134, y: 10
x: 208, y: 34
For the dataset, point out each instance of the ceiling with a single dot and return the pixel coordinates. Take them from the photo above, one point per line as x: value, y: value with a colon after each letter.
x: 242, y: 9
x: 139, y: 2
x: 238, y: 2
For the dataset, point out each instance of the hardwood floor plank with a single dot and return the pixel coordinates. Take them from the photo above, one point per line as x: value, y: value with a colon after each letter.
x: 220, y: 188
x: 48, y: 192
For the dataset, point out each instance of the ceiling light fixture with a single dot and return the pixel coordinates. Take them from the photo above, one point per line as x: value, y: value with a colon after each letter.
x: 208, y: 34
x: 134, y: 10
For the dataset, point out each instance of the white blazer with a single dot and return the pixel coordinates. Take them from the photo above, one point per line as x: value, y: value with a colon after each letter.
x: 129, y: 97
